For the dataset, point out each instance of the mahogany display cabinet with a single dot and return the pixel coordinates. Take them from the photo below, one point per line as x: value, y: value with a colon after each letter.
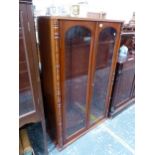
x: 78, y: 57
x: 123, y: 92
x: 30, y: 95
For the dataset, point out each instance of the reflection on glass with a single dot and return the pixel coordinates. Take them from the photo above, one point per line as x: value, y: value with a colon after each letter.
x: 25, y: 93
x: 25, y: 102
x: 77, y: 51
x: 103, y: 65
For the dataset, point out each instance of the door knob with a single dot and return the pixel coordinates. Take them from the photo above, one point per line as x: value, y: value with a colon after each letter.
x: 100, y: 25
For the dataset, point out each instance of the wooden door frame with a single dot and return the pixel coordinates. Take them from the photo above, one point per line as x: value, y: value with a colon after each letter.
x: 64, y: 27
x: 98, y: 30
x: 117, y: 27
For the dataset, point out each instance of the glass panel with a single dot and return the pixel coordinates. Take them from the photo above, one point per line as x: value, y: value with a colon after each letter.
x: 103, y: 65
x: 125, y: 72
x: 25, y: 93
x: 77, y: 51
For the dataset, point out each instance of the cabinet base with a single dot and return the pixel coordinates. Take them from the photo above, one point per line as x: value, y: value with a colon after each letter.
x: 120, y: 109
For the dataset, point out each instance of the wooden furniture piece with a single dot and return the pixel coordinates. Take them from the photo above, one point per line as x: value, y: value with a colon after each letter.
x: 78, y: 57
x: 30, y: 96
x: 124, y: 84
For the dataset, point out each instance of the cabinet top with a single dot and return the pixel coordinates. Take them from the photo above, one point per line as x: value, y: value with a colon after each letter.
x: 78, y: 18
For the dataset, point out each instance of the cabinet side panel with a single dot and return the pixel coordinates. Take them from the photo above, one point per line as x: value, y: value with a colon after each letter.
x: 45, y: 45
x: 55, y: 38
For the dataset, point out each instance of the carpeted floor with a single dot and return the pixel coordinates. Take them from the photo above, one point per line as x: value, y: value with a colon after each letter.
x: 113, y: 137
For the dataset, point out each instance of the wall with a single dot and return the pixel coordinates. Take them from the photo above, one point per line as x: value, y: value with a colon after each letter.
x: 120, y: 9
x: 116, y: 9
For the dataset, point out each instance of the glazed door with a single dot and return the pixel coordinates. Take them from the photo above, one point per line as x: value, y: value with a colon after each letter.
x: 27, y: 77
x: 26, y: 102
x: 105, y: 56
x: 76, y: 51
